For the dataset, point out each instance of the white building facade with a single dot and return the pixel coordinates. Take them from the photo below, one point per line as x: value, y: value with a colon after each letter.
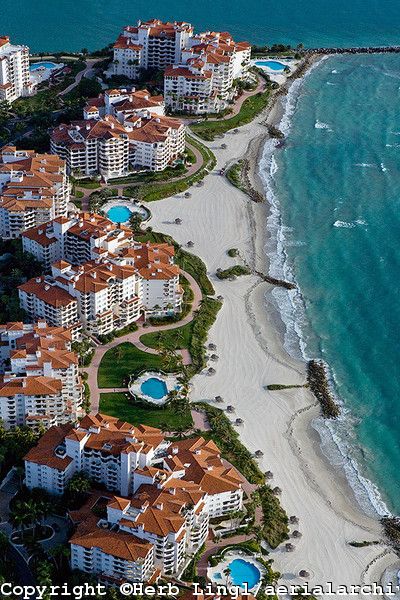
x: 40, y: 382
x: 34, y: 188
x: 14, y: 71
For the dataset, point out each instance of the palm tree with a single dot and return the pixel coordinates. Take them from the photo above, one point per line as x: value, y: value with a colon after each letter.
x: 227, y: 572
x: 79, y: 484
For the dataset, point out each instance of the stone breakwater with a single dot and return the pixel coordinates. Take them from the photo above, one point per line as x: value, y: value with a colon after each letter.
x: 319, y: 385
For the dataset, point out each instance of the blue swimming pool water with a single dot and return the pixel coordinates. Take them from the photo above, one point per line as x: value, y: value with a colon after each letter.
x: 46, y: 65
x: 244, y: 572
x: 154, y: 387
x: 274, y: 65
x: 119, y: 214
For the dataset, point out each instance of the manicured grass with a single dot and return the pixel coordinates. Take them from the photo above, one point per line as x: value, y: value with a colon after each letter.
x: 149, y: 177
x: 118, y: 405
x: 120, y: 362
x: 192, y: 336
x: 251, y: 107
x: 170, y: 339
x: 88, y: 184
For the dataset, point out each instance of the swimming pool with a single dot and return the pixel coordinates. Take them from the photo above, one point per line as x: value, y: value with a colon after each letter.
x: 154, y: 387
x: 243, y: 572
x: 119, y: 214
x: 273, y: 65
x: 43, y: 65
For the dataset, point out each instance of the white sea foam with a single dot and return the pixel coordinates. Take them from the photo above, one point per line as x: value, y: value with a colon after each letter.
x: 290, y: 304
x: 321, y: 125
x: 334, y: 71
x: 365, y: 165
x: 344, y: 224
x: 330, y: 83
x: 349, y: 224
x: 383, y: 168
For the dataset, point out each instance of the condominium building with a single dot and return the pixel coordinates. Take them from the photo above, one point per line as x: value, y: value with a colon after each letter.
x: 78, y: 238
x: 203, y: 80
x: 124, y: 457
x: 39, y: 377
x: 101, y: 295
x: 166, y: 494
x: 14, y: 71
x: 105, y: 146
x: 200, y: 69
x: 102, y: 249
x: 151, y: 44
x: 34, y: 188
x: 161, y: 291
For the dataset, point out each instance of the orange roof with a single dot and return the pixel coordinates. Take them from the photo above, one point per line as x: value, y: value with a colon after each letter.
x: 43, y: 452
x: 51, y: 294
x: 122, y: 545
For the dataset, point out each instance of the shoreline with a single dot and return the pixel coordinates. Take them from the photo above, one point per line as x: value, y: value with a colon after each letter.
x: 248, y: 336
x: 275, y: 116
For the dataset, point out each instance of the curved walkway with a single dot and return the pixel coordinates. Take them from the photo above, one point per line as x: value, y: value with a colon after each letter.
x: 134, y: 338
x: 89, y: 65
x: 192, y: 170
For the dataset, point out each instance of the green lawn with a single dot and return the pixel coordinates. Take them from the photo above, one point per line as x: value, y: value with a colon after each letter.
x: 118, y: 405
x: 122, y: 361
x: 192, y: 336
x: 251, y: 107
x: 171, y: 339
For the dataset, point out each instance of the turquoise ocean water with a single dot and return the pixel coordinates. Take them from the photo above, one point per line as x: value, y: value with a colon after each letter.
x: 74, y: 24
x: 335, y: 189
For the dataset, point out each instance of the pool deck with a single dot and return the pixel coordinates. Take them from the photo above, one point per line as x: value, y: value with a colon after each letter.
x: 225, y: 563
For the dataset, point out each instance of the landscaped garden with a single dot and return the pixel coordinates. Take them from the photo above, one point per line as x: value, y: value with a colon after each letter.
x: 119, y: 363
x: 251, y: 107
x: 167, y: 418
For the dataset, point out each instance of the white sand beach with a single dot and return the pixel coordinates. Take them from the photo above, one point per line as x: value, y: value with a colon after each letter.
x: 217, y: 217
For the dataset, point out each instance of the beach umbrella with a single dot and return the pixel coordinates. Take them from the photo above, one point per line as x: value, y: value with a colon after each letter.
x: 214, y: 357
x: 296, y: 534
x: 218, y: 399
x: 303, y: 573
x: 212, y: 346
x: 178, y: 221
x: 259, y: 453
x: 230, y: 409
x: 269, y: 475
x: 220, y: 298
x: 187, y: 194
x: 211, y: 371
x: 293, y: 520
x: 277, y: 491
x: 190, y: 244
x: 289, y: 547
x: 224, y: 146
x: 239, y: 421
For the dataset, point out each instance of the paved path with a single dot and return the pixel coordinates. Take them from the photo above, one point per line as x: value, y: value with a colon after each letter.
x: 84, y: 73
x: 134, y: 338
x: 192, y: 170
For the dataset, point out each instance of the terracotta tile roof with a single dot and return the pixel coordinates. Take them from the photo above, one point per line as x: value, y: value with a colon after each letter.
x: 203, y: 465
x: 31, y: 386
x: 43, y: 452
x: 122, y: 545
x: 51, y: 294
